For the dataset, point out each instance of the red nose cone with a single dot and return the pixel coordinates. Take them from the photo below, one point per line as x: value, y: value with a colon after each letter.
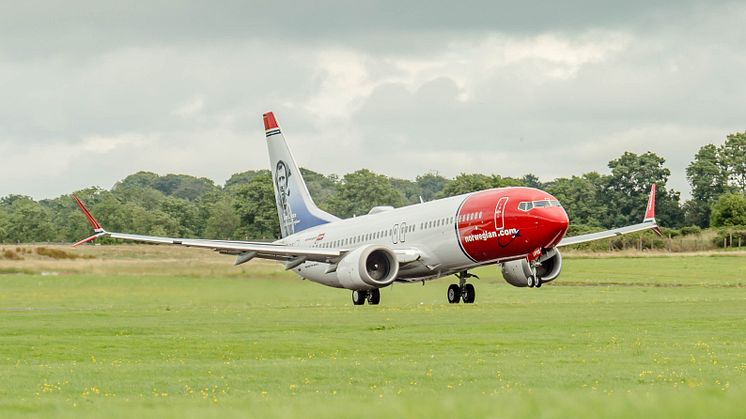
x: 554, y: 223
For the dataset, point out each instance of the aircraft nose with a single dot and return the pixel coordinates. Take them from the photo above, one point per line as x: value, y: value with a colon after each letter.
x: 555, y: 222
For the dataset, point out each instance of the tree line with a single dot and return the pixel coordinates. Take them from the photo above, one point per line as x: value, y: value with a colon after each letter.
x: 180, y: 205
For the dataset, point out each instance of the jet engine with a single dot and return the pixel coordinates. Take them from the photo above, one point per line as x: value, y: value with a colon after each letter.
x: 546, y: 268
x: 368, y: 267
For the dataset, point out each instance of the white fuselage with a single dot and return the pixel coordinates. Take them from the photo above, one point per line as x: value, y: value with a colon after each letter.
x: 428, y: 227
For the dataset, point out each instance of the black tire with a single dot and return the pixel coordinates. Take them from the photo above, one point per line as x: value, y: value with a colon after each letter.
x: 358, y: 297
x: 469, y: 294
x: 454, y: 294
x: 374, y: 297
x: 538, y: 282
x: 531, y: 281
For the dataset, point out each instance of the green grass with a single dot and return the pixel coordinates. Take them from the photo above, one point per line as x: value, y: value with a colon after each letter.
x: 189, y: 335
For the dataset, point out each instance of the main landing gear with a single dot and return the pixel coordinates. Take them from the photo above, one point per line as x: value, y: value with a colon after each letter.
x: 373, y: 297
x: 462, y: 291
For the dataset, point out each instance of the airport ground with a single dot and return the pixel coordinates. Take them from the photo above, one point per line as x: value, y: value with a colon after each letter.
x: 149, y: 331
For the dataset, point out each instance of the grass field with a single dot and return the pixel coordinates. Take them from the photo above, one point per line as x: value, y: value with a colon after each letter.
x: 144, y: 331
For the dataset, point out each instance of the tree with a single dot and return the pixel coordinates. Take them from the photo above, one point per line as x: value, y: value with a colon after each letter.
x: 498, y: 181
x: 359, y: 191
x: 186, y: 214
x: 708, y: 177
x: 733, y: 157
x: 582, y: 197
x: 729, y: 210
x: 140, y: 179
x: 532, y: 181
x: 254, y: 203
x: 3, y: 225
x: 242, y: 178
x: 409, y: 190
x: 628, y: 188
x: 430, y: 185
x: 184, y: 186
x: 223, y: 220
x: 27, y: 221
x: 465, y: 183
x: 321, y: 187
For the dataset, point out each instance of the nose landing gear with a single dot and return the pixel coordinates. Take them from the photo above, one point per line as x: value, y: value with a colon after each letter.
x: 463, y: 291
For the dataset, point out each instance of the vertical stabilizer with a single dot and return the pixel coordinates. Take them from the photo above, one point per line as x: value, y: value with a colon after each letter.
x: 295, y: 207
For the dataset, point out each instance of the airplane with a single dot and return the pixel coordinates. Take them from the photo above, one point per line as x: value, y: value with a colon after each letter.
x: 519, y: 228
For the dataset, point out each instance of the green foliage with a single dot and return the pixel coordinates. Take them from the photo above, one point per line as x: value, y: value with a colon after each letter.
x: 729, y: 210
x: 708, y: 177
x: 532, y: 181
x: 409, y: 189
x: 466, y: 183
x: 321, y: 187
x: 223, y: 220
x: 582, y: 197
x: 184, y: 186
x: 243, y: 177
x: 628, y: 187
x: 430, y: 185
x: 27, y: 220
x: 254, y: 204
x: 362, y: 190
x: 3, y: 225
x: 730, y: 237
x: 733, y: 157
x: 713, y: 172
x: 187, y: 206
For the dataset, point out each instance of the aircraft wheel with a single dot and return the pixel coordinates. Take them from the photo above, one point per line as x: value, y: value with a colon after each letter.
x: 374, y: 296
x: 358, y: 297
x: 454, y: 294
x: 469, y: 294
x: 538, y: 282
x: 531, y: 281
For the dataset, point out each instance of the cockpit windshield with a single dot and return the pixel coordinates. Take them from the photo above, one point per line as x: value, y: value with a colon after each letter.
x: 544, y: 203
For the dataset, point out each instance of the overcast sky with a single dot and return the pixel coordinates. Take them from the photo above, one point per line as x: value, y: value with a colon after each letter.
x: 92, y: 91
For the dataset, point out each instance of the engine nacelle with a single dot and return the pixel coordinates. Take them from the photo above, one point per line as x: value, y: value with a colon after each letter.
x: 516, y: 272
x: 547, y: 268
x: 367, y: 268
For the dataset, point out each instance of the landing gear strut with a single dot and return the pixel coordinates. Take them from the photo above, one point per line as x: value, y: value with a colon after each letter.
x: 462, y: 291
x: 373, y: 297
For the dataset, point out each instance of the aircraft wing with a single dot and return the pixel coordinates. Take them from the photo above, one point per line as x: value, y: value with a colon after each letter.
x: 245, y: 250
x: 648, y: 223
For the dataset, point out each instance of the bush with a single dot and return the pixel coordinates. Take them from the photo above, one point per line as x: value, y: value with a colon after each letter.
x: 730, y: 237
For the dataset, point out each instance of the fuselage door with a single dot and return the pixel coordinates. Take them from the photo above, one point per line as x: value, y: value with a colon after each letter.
x: 500, y: 213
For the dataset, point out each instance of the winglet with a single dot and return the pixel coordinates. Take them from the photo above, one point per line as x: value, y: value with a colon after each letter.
x: 650, y: 210
x: 96, y: 226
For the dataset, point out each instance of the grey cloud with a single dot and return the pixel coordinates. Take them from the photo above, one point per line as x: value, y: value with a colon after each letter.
x: 189, y: 81
x: 35, y: 28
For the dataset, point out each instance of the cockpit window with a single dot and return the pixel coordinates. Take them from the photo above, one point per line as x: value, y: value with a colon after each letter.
x: 545, y: 203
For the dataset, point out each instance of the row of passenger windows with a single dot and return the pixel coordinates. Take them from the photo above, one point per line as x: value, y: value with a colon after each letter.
x: 334, y: 244
x: 525, y: 206
x: 436, y: 223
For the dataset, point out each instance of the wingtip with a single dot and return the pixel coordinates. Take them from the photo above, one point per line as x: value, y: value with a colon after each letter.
x: 650, y: 210
x: 95, y: 224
